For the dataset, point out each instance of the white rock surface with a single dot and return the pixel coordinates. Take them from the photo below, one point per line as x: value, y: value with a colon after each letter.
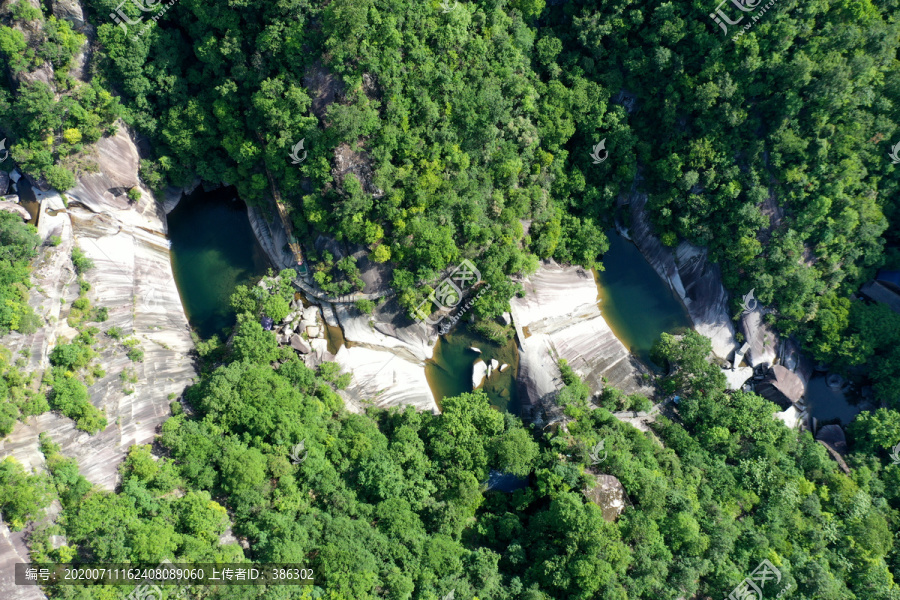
x: 560, y: 312
x: 736, y: 378
x: 761, y: 337
x: 480, y: 371
x: 384, y: 379
x: 132, y: 277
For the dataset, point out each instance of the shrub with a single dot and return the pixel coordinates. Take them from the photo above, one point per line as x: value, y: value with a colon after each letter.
x: 365, y: 306
x: 81, y: 262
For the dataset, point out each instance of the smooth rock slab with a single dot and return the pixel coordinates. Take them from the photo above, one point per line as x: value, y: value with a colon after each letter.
x: 560, y: 312
x: 383, y: 379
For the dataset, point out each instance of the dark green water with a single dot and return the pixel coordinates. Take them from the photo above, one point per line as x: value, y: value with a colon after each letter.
x: 213, y: 251
x: 449, y: 372
x: 827, y: 404
x: 636, y: 303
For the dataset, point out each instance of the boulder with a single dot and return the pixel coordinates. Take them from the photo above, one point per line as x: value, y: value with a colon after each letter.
x: 609, y: 494
x: 479, y: 372
x: 299, y: 344
x: 506, y: 318
x: 15, y: 208
x: 474, y: 349
x: 70, y: 10
x: 760, y: 337
x: 503, y: 367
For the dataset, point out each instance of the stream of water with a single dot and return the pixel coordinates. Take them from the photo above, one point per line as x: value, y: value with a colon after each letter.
x: 214, y: 250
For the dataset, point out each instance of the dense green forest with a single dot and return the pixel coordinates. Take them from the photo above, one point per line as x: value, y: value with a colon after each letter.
x: 476, y: 123
x: 471, y: 125
x: 391, y: 503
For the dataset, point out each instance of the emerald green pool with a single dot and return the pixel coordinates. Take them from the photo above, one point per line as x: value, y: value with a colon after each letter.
x: 636, y: 303
x: 449, y: 372
x: 213, y: 251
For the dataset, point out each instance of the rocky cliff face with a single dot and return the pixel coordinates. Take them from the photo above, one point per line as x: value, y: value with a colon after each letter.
x: 386, y: 354
x: 133, y: 278
x: 559, y: 318
x: 697, y: 281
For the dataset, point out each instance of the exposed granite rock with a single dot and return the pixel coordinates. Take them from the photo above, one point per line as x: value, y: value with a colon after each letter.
x: 173, y: 195
x: 271, y: 236
x: 761, y: 338
x: 388, y: 356
x: 71, y: 11
x: 324, y: 88
x: 736, y: 378
x: 609, y: 494
x: 834, y: 440
x: 300, y: 345
x: 479, y: 373
x: 383, y: 379
x: 13, y: 549
x: 15, y: 208
x: 358, y: 163
x: 560, y: 312
x: 696, y: 281
x: 106, y: 190
x: 791, y: 417
x: 133, y: 279
x: 781, y: 386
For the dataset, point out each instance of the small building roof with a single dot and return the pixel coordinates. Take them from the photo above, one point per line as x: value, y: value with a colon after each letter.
x: 781, y: 386
x: 833, y: 436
